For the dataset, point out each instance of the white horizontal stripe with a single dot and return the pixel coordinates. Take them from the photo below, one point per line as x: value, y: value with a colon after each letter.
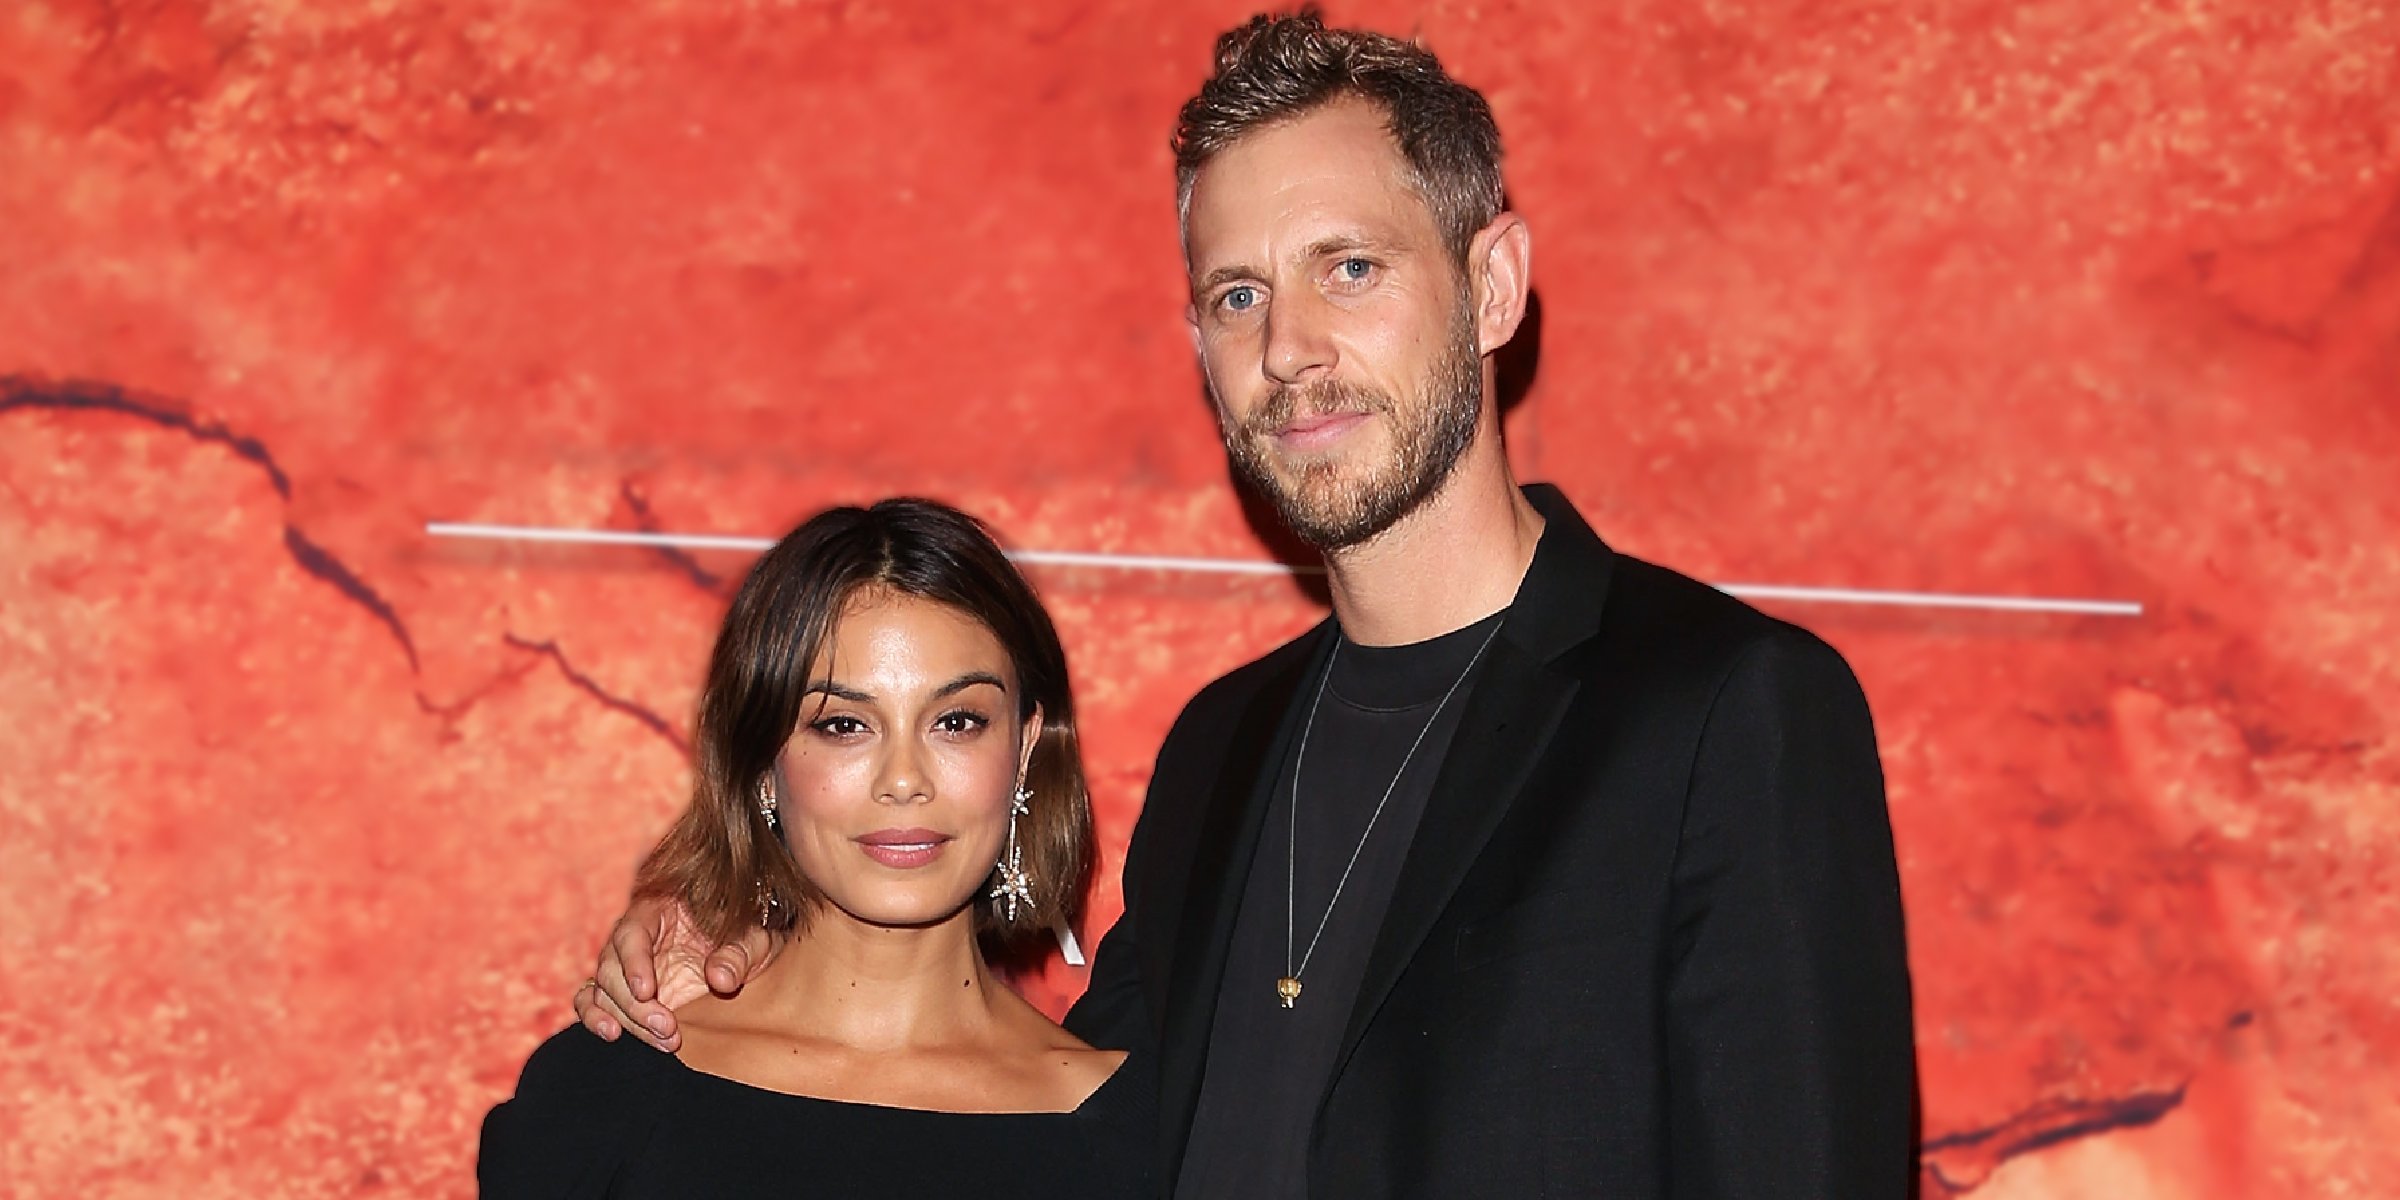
x: 1246, y: 566
x: 595, y: 537
x: 2035, y: 604
x: 1160, y: 562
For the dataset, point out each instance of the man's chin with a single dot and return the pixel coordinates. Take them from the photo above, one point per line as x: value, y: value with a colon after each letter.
x: 1330, y: 505
x: 1328, y: 518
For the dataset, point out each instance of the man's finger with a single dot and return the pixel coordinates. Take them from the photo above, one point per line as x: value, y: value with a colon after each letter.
x: 739, y: 961
x: 631, y: 949
x: 608, y: 1009
x: 593, y: 1016
x: 648, y: 1020
x: 728, y: 968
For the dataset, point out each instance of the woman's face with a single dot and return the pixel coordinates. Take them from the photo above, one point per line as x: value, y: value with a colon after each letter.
x: 896, y: 785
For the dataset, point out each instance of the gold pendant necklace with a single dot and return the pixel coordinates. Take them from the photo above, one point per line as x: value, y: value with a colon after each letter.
x: 1287, y: 988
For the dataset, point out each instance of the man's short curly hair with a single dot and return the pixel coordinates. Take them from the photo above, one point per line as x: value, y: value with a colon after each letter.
x: 1278, y: 67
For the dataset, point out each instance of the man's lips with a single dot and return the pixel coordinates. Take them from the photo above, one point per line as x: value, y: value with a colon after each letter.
x: 1318, y: 430
x: 903, y: 847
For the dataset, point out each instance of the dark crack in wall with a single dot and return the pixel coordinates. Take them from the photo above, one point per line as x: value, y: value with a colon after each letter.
x: 21, y: 394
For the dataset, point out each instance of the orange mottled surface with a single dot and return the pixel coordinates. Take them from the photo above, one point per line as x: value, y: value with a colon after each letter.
x: 308, y: 821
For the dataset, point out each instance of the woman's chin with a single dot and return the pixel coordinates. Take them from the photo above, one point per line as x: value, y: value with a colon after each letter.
x: 902, y: 914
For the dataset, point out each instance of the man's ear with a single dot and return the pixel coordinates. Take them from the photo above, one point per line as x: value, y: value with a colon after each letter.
x: 1500, y: 272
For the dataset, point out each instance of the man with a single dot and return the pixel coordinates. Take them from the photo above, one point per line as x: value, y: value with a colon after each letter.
x: 1539, y: 870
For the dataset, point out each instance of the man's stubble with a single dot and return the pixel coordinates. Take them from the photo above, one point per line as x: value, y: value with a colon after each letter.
x: 1333, y: 510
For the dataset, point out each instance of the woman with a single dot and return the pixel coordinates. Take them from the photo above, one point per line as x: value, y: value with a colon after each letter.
x: 886, y: 765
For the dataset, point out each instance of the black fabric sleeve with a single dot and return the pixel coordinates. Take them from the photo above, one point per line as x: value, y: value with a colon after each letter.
x: 583, y: 1106
x: 1791, y: 1065
x: 1110, y: 1013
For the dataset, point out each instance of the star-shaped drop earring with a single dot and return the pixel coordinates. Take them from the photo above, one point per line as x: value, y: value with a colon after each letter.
x: 1011, y: 884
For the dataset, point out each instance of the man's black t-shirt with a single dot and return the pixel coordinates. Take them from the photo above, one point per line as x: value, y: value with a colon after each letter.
x: 1268, y: 1066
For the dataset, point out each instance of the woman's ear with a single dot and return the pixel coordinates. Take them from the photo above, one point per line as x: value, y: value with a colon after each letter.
x: 1031, y: 737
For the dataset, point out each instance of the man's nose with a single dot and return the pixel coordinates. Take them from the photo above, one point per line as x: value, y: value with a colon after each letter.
x: 1299, y: 342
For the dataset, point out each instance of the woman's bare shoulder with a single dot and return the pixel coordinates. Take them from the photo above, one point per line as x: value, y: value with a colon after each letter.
x: 1065, y: 1067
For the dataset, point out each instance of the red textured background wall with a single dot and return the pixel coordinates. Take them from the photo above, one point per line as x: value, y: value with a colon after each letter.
x: 308, y: 821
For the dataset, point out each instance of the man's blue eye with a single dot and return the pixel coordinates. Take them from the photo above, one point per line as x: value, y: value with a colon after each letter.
x: 1240, y: 298
x: 1355, y: 269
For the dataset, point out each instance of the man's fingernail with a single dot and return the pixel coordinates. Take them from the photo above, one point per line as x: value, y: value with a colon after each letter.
x: 658, y: 1025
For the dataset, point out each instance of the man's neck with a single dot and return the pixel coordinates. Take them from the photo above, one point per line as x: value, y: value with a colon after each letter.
x: 1454, y: 560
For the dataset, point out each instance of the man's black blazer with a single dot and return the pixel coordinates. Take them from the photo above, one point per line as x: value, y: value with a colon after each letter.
x: 1647, y: 940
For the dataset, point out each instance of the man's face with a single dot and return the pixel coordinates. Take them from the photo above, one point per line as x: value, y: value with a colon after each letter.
x: 1336, y: 334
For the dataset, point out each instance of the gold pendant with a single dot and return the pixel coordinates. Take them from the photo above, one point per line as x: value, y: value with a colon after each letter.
x: 1289, y: 989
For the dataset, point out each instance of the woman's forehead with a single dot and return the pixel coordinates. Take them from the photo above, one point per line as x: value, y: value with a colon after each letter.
x: 885, y: 631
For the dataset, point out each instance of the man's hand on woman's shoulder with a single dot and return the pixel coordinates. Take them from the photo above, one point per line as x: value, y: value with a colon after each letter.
x: 656, y: 961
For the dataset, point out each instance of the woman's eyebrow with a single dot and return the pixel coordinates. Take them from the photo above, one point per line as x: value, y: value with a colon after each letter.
x: 968, y: 680
x: 839, y: 691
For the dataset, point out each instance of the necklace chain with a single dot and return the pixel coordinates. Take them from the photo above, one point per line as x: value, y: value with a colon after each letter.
x: 1288, y: 986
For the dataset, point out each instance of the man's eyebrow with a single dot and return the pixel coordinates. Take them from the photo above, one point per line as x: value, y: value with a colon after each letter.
x: 1349, y: 243
x: 838, y: 691
x: 968, y: 680
x: 1219, y: 278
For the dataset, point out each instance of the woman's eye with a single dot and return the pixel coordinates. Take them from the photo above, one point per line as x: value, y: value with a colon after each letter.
x: 1240, y: 299
x: 960, y: 722
x: 841, y: 726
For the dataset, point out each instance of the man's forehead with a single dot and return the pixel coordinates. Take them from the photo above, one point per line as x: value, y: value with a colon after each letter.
x: 1335, y: 173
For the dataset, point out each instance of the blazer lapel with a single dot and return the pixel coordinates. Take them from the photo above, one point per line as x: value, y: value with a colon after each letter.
x: 1512, y: 712
x: 1220, y: 861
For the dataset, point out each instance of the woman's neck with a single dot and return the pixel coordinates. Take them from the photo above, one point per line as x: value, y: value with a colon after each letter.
x: 874, y: 987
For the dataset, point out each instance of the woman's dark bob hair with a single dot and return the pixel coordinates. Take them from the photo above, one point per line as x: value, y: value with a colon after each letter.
x: 720, y: 859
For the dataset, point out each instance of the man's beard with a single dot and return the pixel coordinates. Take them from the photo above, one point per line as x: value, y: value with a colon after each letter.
x: 1332, y: 511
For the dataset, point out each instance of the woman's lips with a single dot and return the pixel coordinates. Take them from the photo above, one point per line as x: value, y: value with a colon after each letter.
x: 903, y: 848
